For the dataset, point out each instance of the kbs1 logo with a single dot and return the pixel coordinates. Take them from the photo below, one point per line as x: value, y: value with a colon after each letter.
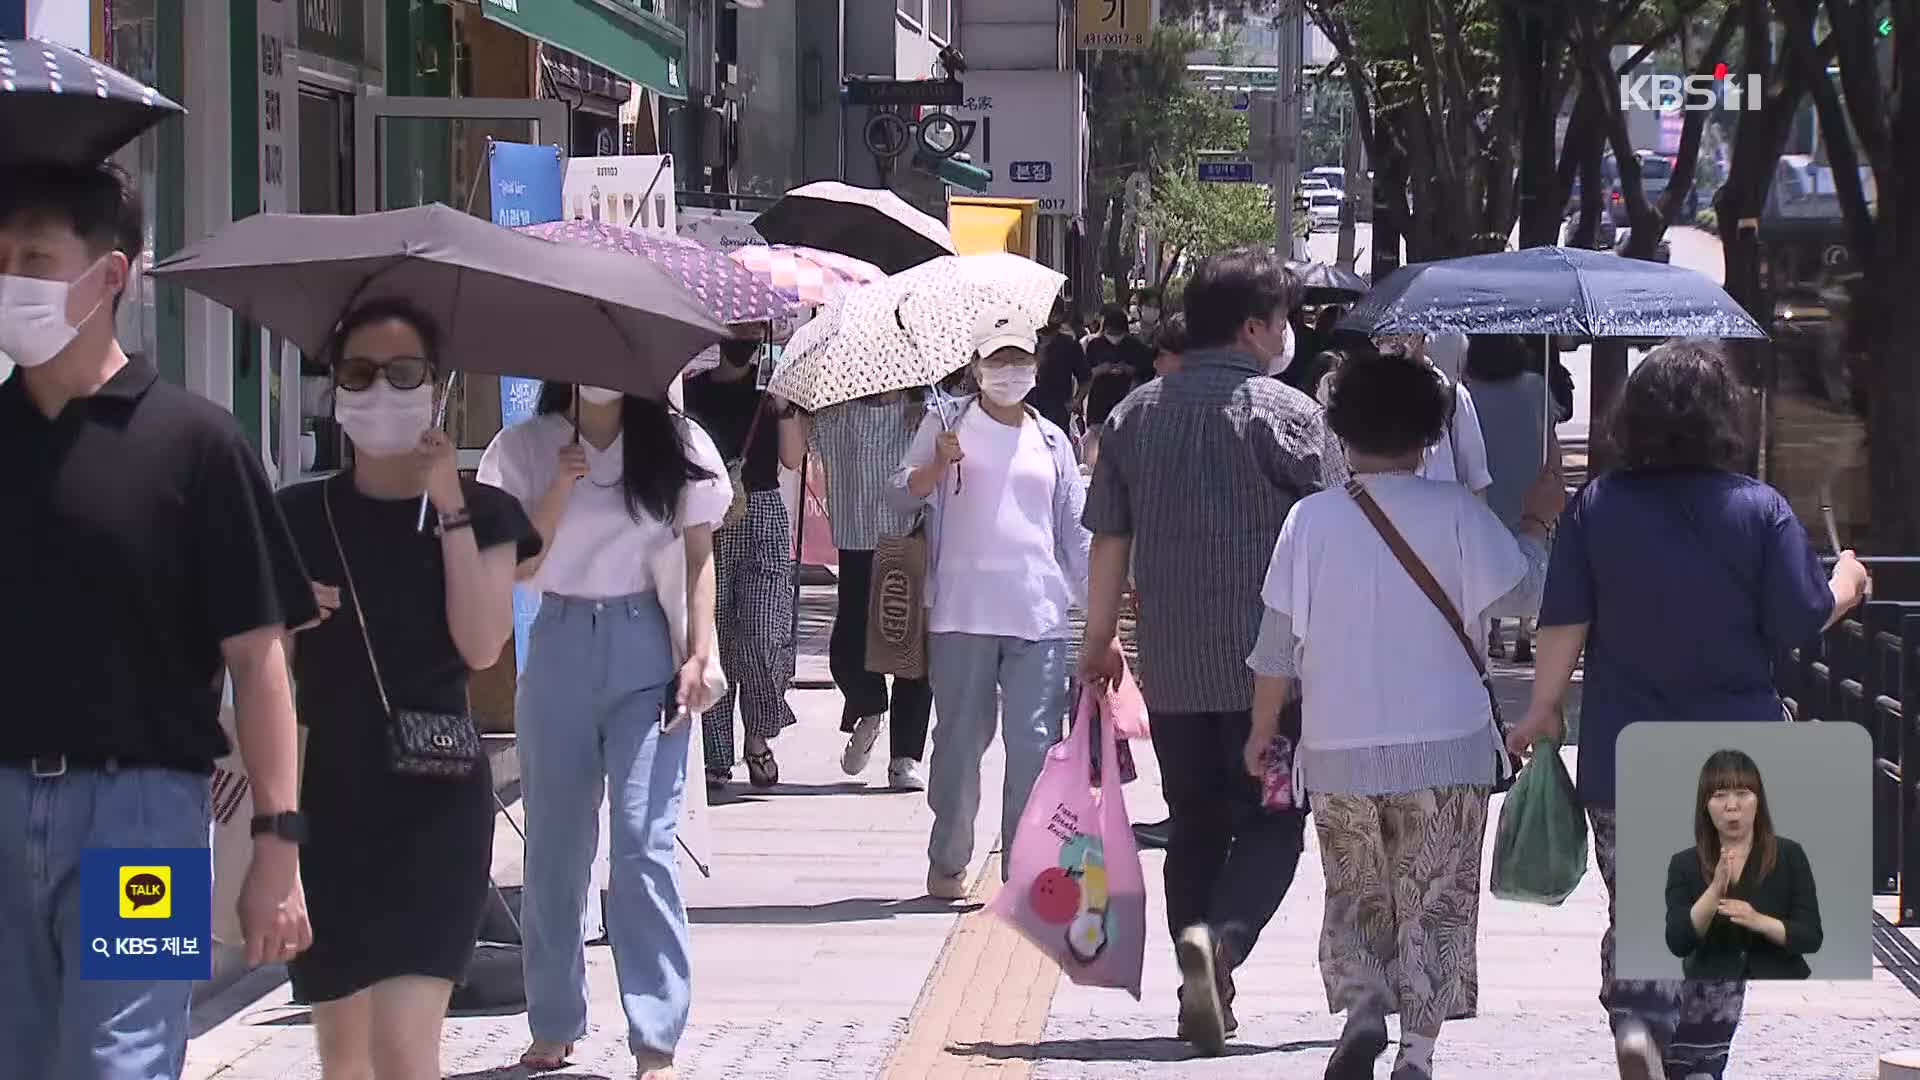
x: 1692, y: 93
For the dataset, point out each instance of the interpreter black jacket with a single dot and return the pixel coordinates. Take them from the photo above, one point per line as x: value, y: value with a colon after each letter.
x: 1727, y: 951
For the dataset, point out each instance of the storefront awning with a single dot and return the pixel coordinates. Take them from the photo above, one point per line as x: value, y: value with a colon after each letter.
x: 622, y: 36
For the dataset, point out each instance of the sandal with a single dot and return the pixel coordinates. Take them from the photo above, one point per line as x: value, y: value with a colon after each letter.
x: 762, y: 770
x: 652, y: 1066
x: 544, y: 1056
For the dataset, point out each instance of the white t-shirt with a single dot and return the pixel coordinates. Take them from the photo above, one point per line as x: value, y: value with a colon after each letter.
x: 599, y: 550
x: 997, y: 572
x: 1377, y: 662
x: 1461, y: 454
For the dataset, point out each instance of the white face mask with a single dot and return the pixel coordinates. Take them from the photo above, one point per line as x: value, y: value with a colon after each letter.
x: 1279, y: 364
x: 1007, y: 386
x: 33, y: 316
x: 599, y: 395
x: 383, y: 421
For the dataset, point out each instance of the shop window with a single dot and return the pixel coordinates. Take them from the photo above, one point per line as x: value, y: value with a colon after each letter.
x: 145, y: 43
x: 940, y: 19
x: 913, y: 9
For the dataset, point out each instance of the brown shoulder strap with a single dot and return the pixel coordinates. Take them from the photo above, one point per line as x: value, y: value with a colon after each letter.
x: 1416, y: 570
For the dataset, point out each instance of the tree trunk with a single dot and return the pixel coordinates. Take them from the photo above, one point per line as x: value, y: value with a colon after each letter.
x: 1535, y: 37
x: 1118, y: 259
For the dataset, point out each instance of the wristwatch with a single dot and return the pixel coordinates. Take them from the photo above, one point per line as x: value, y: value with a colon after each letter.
x: 290, y: 826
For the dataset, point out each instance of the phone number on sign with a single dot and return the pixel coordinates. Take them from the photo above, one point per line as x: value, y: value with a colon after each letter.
x: 1119, y: 39
x: 146, y: 946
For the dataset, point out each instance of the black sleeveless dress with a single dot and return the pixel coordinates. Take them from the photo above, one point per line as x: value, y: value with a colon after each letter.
x: 395, y: 868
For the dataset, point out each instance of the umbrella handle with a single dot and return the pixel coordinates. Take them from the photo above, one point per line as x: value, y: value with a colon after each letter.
x: 439, y: 420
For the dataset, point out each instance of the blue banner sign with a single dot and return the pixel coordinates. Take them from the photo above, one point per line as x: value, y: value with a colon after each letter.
x: 1226, y: 172
x: 526, y: 191
x: 146, y: 913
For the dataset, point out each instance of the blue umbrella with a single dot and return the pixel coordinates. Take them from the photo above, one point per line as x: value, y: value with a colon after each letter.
x: 1550, y: 290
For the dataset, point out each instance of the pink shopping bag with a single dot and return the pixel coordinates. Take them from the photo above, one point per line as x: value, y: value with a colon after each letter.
x: 1124, y: 708
x: 1074, y: 886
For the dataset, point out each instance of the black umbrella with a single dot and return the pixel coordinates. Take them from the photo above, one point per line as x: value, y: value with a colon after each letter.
x: 508, y: 304
x: 58, y: 105
x: 871, y: 224
x: 1328, y: 284
x: 1550, y: 290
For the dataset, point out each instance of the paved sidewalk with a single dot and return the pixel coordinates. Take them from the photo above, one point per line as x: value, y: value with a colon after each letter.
x: 811, y: 942
x: 1539, y: 1017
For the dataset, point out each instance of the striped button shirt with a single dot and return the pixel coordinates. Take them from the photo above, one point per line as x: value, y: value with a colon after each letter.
x: 861, y: 444
x: 1200, y: 468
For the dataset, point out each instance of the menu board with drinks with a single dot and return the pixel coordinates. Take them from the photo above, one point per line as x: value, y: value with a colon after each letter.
x: 634, y: 191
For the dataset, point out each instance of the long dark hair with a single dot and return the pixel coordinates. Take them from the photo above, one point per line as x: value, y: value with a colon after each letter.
x: 654, y: 465
x: 1725, y: 770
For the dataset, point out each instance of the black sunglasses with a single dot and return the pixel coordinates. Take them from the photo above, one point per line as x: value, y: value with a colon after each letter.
x: 401, y: 372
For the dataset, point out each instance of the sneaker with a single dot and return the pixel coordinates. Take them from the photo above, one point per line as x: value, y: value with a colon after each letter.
x: 1202, y: 1018
x: 866, y: 731
x: 903, y: 774
x: 1361, y: 1043
x: 944, y: 886
x: 1153, y: 834
x: 1636, y: 1052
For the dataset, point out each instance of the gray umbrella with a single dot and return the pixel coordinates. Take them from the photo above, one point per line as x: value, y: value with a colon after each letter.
x: 507, y: 304
x: 1328, y: 284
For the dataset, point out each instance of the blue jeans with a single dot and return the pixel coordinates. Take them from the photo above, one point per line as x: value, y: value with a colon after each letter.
x: 980, y: 683
x: 53, y: 1024
x: 588, y: 725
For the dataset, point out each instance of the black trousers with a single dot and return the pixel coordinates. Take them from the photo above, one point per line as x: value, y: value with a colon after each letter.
x: 1230, y: 860
x: 911, y: 707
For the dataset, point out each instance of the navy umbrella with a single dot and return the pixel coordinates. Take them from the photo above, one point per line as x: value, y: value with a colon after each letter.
x: 1550, y: 290
x: 58, y: 105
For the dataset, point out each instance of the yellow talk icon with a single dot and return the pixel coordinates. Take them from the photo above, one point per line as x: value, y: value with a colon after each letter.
x: 146, y: 892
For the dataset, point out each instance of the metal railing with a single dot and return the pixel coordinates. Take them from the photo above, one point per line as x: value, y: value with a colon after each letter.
x: 1866, y: 671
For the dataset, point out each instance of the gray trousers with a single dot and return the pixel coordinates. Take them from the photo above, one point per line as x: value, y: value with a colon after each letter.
x: 980, y: 682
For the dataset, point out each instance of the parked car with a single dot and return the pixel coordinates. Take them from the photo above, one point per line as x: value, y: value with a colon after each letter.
x: 1323, y: 207
x: 1655, y: 171
x: 1605, y: 233
x: 1311, y: 183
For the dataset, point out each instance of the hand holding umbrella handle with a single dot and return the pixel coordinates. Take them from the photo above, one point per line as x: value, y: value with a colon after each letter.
x: 439, y: 421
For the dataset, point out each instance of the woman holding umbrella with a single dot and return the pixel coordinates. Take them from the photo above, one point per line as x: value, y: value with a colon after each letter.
x: 396, y: 862
x: 612, y: 480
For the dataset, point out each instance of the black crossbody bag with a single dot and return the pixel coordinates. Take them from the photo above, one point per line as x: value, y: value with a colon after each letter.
x: 419, y: 743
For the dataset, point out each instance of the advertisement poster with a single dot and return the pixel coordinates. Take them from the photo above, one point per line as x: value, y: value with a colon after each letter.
x: 635, y: 191
x: 1020, y: 116
x: 726, y: 230
x: 527, y: 181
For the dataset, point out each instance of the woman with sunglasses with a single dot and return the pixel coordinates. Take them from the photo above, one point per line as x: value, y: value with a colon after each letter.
x: 396, y: 865
x: 1007, y: 560
x: 602, y: 710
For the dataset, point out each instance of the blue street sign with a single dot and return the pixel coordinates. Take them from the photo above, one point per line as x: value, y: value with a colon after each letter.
x: 1226, y: 172
x: 526, y: 191
x: 1031, y: 172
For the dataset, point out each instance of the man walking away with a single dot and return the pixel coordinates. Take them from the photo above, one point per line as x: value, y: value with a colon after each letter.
x: 142, y: 552
x: 1064, y: 374
x: 1197, y: 472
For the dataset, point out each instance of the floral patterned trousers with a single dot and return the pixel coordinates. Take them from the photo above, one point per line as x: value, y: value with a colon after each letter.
x: 1403, y: 902
x: 1691, y: 1021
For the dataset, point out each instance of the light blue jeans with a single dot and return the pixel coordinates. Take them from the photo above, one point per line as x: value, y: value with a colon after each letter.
x: 980, y: 683
x: 588, y: 725
x: 54, y: 1025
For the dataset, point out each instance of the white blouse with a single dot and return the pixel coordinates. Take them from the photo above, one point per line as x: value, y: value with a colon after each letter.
x: 599, y: 550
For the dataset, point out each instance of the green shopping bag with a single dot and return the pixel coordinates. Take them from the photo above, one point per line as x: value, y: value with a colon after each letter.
x: 1540, y: 850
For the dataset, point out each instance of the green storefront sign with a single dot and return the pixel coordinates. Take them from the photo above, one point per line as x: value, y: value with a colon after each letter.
x: 335, y: 29
x: 627, y: 37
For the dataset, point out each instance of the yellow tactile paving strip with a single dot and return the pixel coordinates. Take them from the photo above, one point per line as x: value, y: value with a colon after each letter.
x: 985, y: 1005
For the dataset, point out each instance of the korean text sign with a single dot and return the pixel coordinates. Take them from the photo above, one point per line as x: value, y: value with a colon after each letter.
x: 146, y: 914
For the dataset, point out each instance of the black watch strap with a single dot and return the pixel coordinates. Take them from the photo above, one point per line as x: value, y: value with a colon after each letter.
x: 290, y: 826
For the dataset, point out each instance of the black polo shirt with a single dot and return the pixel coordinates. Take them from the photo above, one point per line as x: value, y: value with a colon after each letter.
x: 140, y: 531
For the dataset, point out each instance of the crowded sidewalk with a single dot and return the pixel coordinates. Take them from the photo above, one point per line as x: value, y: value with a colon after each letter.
x: 816, y: 955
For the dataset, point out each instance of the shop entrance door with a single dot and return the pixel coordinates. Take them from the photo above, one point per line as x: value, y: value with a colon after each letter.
x: 412, y: 151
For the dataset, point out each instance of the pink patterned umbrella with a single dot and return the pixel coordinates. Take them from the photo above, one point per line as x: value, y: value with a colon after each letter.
x: 815, y: 276
x: 731, y: 291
